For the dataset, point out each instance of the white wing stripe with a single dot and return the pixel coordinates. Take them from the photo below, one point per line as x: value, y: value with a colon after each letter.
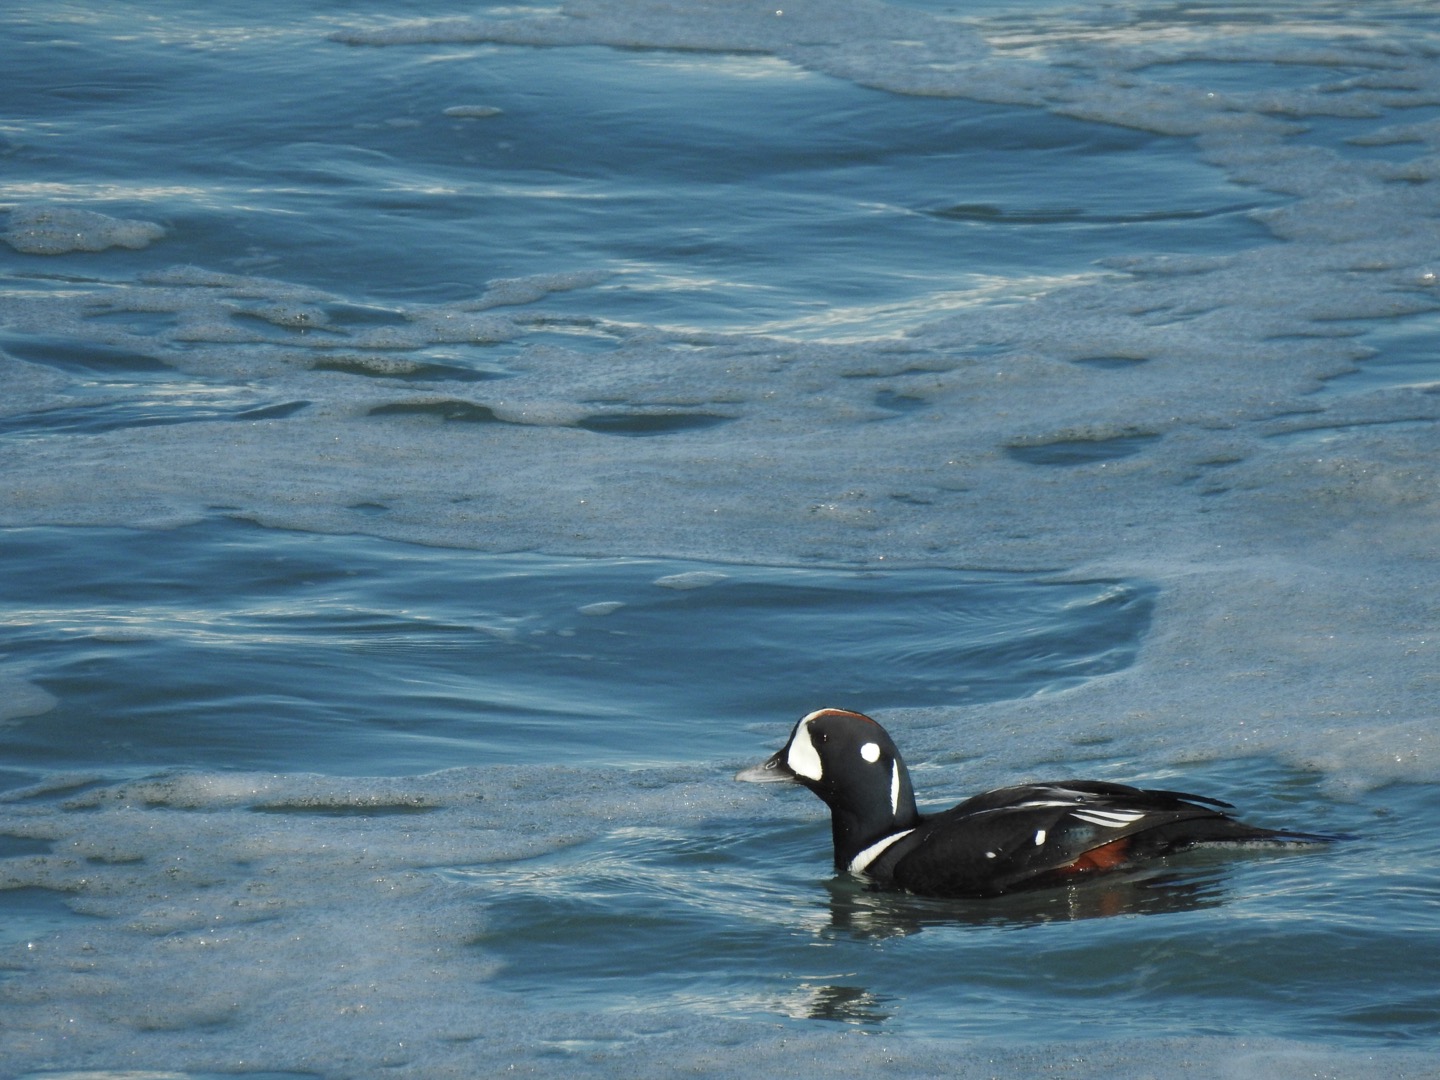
x: 1110, y: 819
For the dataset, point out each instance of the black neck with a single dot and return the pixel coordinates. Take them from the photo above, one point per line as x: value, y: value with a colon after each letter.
x: 852, y: 833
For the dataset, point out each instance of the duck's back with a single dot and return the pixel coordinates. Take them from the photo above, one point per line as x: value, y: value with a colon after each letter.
x: 1040, y: 834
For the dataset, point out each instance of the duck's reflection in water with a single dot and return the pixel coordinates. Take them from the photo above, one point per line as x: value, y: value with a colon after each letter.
x: 860, y: 913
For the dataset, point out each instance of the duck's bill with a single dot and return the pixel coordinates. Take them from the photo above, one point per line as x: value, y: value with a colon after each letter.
x: 772, y: 771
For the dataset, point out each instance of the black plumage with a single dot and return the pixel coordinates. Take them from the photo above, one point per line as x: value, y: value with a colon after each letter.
x: 1021, y: 837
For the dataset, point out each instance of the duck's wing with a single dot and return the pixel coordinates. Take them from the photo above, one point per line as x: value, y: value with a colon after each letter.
x: 1040, y: 834
x: 1080, y: 793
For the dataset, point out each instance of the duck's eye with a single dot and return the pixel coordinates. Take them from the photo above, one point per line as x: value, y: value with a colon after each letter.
x: 870, y: 752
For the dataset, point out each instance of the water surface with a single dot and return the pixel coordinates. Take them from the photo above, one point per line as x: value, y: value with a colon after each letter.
x: 441, y: 445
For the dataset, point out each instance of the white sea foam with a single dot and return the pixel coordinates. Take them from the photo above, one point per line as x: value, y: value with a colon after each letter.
x: 1295, y: 615
x: 256, y: 922
x: 56, y: 230
x: 693, y: 579
x: 1268, y: 547
x: 472, y: 112
x: 192, y: 874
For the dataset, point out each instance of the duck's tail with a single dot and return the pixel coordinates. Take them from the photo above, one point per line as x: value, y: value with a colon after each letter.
x: 1220, y: 829
x: 1227, y: 830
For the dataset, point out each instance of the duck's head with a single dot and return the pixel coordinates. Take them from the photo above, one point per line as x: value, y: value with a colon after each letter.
x: 853, y: 765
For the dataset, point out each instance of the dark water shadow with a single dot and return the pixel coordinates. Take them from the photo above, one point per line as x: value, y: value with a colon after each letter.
x: 859, y: 911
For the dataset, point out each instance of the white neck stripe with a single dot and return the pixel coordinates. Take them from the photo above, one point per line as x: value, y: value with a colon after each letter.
x: 859, y: 864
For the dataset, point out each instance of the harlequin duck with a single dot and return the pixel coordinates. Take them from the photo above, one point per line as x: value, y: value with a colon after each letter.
x: 1012, y: 838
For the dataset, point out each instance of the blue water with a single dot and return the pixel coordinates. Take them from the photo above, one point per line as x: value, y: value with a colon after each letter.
x: 440, y: 445
x: 1203, y: 948
x: 204, y: 647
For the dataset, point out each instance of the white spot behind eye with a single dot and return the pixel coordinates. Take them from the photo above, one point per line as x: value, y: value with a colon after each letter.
x: 895, y: 787
x: 870, y: 752
x: 803, y: 758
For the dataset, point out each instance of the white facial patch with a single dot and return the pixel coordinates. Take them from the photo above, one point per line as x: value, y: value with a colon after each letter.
x: 870, y: 752
x: 895, y: 787
x: 1039, y: 837
x: 803, y: 758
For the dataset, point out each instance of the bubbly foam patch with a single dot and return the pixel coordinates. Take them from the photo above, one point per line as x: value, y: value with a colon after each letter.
x: 55, y: 230
x: 304, y: 924
x: 217, y: 893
